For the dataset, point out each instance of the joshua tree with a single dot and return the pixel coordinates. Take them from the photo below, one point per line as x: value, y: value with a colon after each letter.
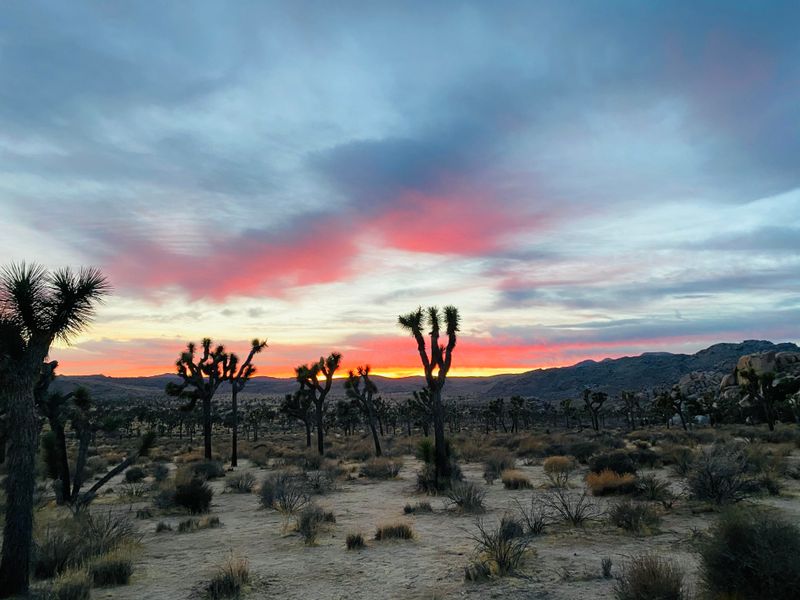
x: 594, y: 402
x: 630, y: 401
x: 199, y: 381
x: 363, y: 396
x: 239, y: 375
x: 440, y: 359
x: 671, y: 403
x: 36, y: 308
x: 768, y: 391
x: 310, y: 374
x: 298, y: 406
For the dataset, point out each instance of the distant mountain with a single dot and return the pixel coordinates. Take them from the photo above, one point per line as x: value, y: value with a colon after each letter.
x: 651, y: 369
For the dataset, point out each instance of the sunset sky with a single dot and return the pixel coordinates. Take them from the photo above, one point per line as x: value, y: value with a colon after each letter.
x: 582, y: 179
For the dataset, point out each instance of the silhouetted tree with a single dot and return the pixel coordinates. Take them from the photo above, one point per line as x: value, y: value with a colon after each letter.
x: 768, y: 392
x: 360, y: 388
x: 593, y: 401
x: 36, y: 308
x: 200, y: 379
x: 310, y: 374
x: 239, y: 375
x: 440, y: 360
x: 298, y: 406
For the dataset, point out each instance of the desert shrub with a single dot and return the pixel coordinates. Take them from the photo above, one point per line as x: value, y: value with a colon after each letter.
x: 609, y: 482
x: 163, y: 526
x: 467, y: 496
x: 680, y: 459
x: 53, y: 551
x: 635, y: 517
x: 241, y: 483
x: 718, y: 475
x: 605, y: 567
x: 558, y: 469
x: 618, y: 461
x: 72, y: 585
x: 575, y: 509
x: 381, y: 468
x: 194, y: 495
x: 230, y: 579
x: 650, y: 577
x: 144, y: 513
x: 582, y: 450
x: 400, y: 531
x: 515, y: 480
x: 97, y: 464
x: 284, y: 492
x: 478, y: 571
x: 193, y: 524
x: 160, y: 471
x: 426, y: 451
x: 310, y: 460
x: 536, y: 516
x: 355, y: 541
x: 511, y: 527
x: 471, y: 450
x: 112, y: 568
x: 497, y: 462
x: 309, y: 523
x: 419, y: 507
x: 644, y: 457
x: 134, y: 475
x: 501, y: 553
x: 752, y: 554
x: 650, y: 487
x: 134, y: 489
x: 208, y: 469
x: 165, y: 496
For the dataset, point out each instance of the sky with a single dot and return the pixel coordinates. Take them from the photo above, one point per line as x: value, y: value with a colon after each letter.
x: 581, y: 179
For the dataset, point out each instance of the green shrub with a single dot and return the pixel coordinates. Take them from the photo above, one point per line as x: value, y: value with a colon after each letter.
x: 112, y: 568
x: 511, y: 527
x: 426, y: 451
x: 718, y: 475
x: 650, y: 577
x: 194, y: 495
x: 354, y: 541
x: 618, y: 461
x: 419, y: 507
x: 497, y: 550
x: 208, y: 469
x: 241, y: 483
x: 497, y: 462
x: 73, y: 585
x: 134, y: 475
x: 467, y: 496
x: 399, y: 531
x: 635, y: 517
x: 160, y: 471
x: 163, y: 526
x: 193, y: 524
x: 751, y: 553
x: 650, y: 487
x: 230, y: 580
x: 284, y: 492
x: 309, y: 523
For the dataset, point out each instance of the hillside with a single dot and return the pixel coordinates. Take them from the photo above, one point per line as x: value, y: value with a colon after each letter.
x: 648, y: 370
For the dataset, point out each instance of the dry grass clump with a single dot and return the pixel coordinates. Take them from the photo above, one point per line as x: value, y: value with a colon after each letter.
x: 653, y: 489
x: 635, y: 517
x: 381, y: 468
x: 395, y: 531
x: 112, y: 568
x: 163, y: 526
x: 609, y: 482
x: 497, y: 462
x: 284, y: 492
x: 71, y: 585
x: 134, y: 474
x: 193, y: 494
x: 208, y: 469
x: 558, y: 469
x: 618, y: 461
x: 498, y: 553
x: 466, y: 496
x: 310, y: 522
x: 515, y: 480
x: 230, y: 579
x: 192, y: 524
x: 719, y: 475
x: 419, y: 507
x: 650, y: 577
x: 355, y: 541
x: 242, y: 483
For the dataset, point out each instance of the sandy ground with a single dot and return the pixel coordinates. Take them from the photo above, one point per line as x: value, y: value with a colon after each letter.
x: 563, y: 564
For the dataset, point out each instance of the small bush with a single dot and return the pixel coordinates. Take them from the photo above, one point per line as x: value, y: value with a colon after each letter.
x: 160, y: 471
x: 511, y: 527
x: 419, y: 507
x: 163, y: 526
x: 718, y: 475
x: 605, y: 567
x: 497, y: 462
x: 558, y: 469
x: 241, y: 483
x: 498, y: 551
x: 355, y: 541
x: 112, y: 568
x: 381, y: 468
x: 283, y: 492
x: 618, y: 461
x: 309, y: 523
x: 467, y: 496
x: 609, y: 482
x: 478, y: 570
x: 73, y: 585
x: 650, y: 487
x: 751, y: 554
x: 396, y: 531
x: 426, y: 451
x: 572, y: 508
x: 515, y: 480
x: 194, y: 495
x: 192, y: 524
x: 536, y: 517
x: 635, y: 517
x: 680, y: 458
x: 208, y: 469
x: 230, y: 579
x: 134, y: 489
x: 134, y: 475
x: 650, y: 577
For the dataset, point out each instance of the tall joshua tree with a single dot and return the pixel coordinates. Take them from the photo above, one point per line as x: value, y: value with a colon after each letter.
x: 362, y: 389
x: 310, y: 374
x: 436, y: 367
x: 239, y: 375
x: 200, y: 379
x: 298, y: 406
x: 37, y: 307
x: 593, y: 401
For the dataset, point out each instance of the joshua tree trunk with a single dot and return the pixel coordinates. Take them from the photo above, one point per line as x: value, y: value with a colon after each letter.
x: 235, y: 432
x: 63, y: 460
x: 207, y: 428
x: 320, y: 428
x: 84, y: 437
x: 375, y: 437
x: 23, y: 433
x: 442, y: 462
